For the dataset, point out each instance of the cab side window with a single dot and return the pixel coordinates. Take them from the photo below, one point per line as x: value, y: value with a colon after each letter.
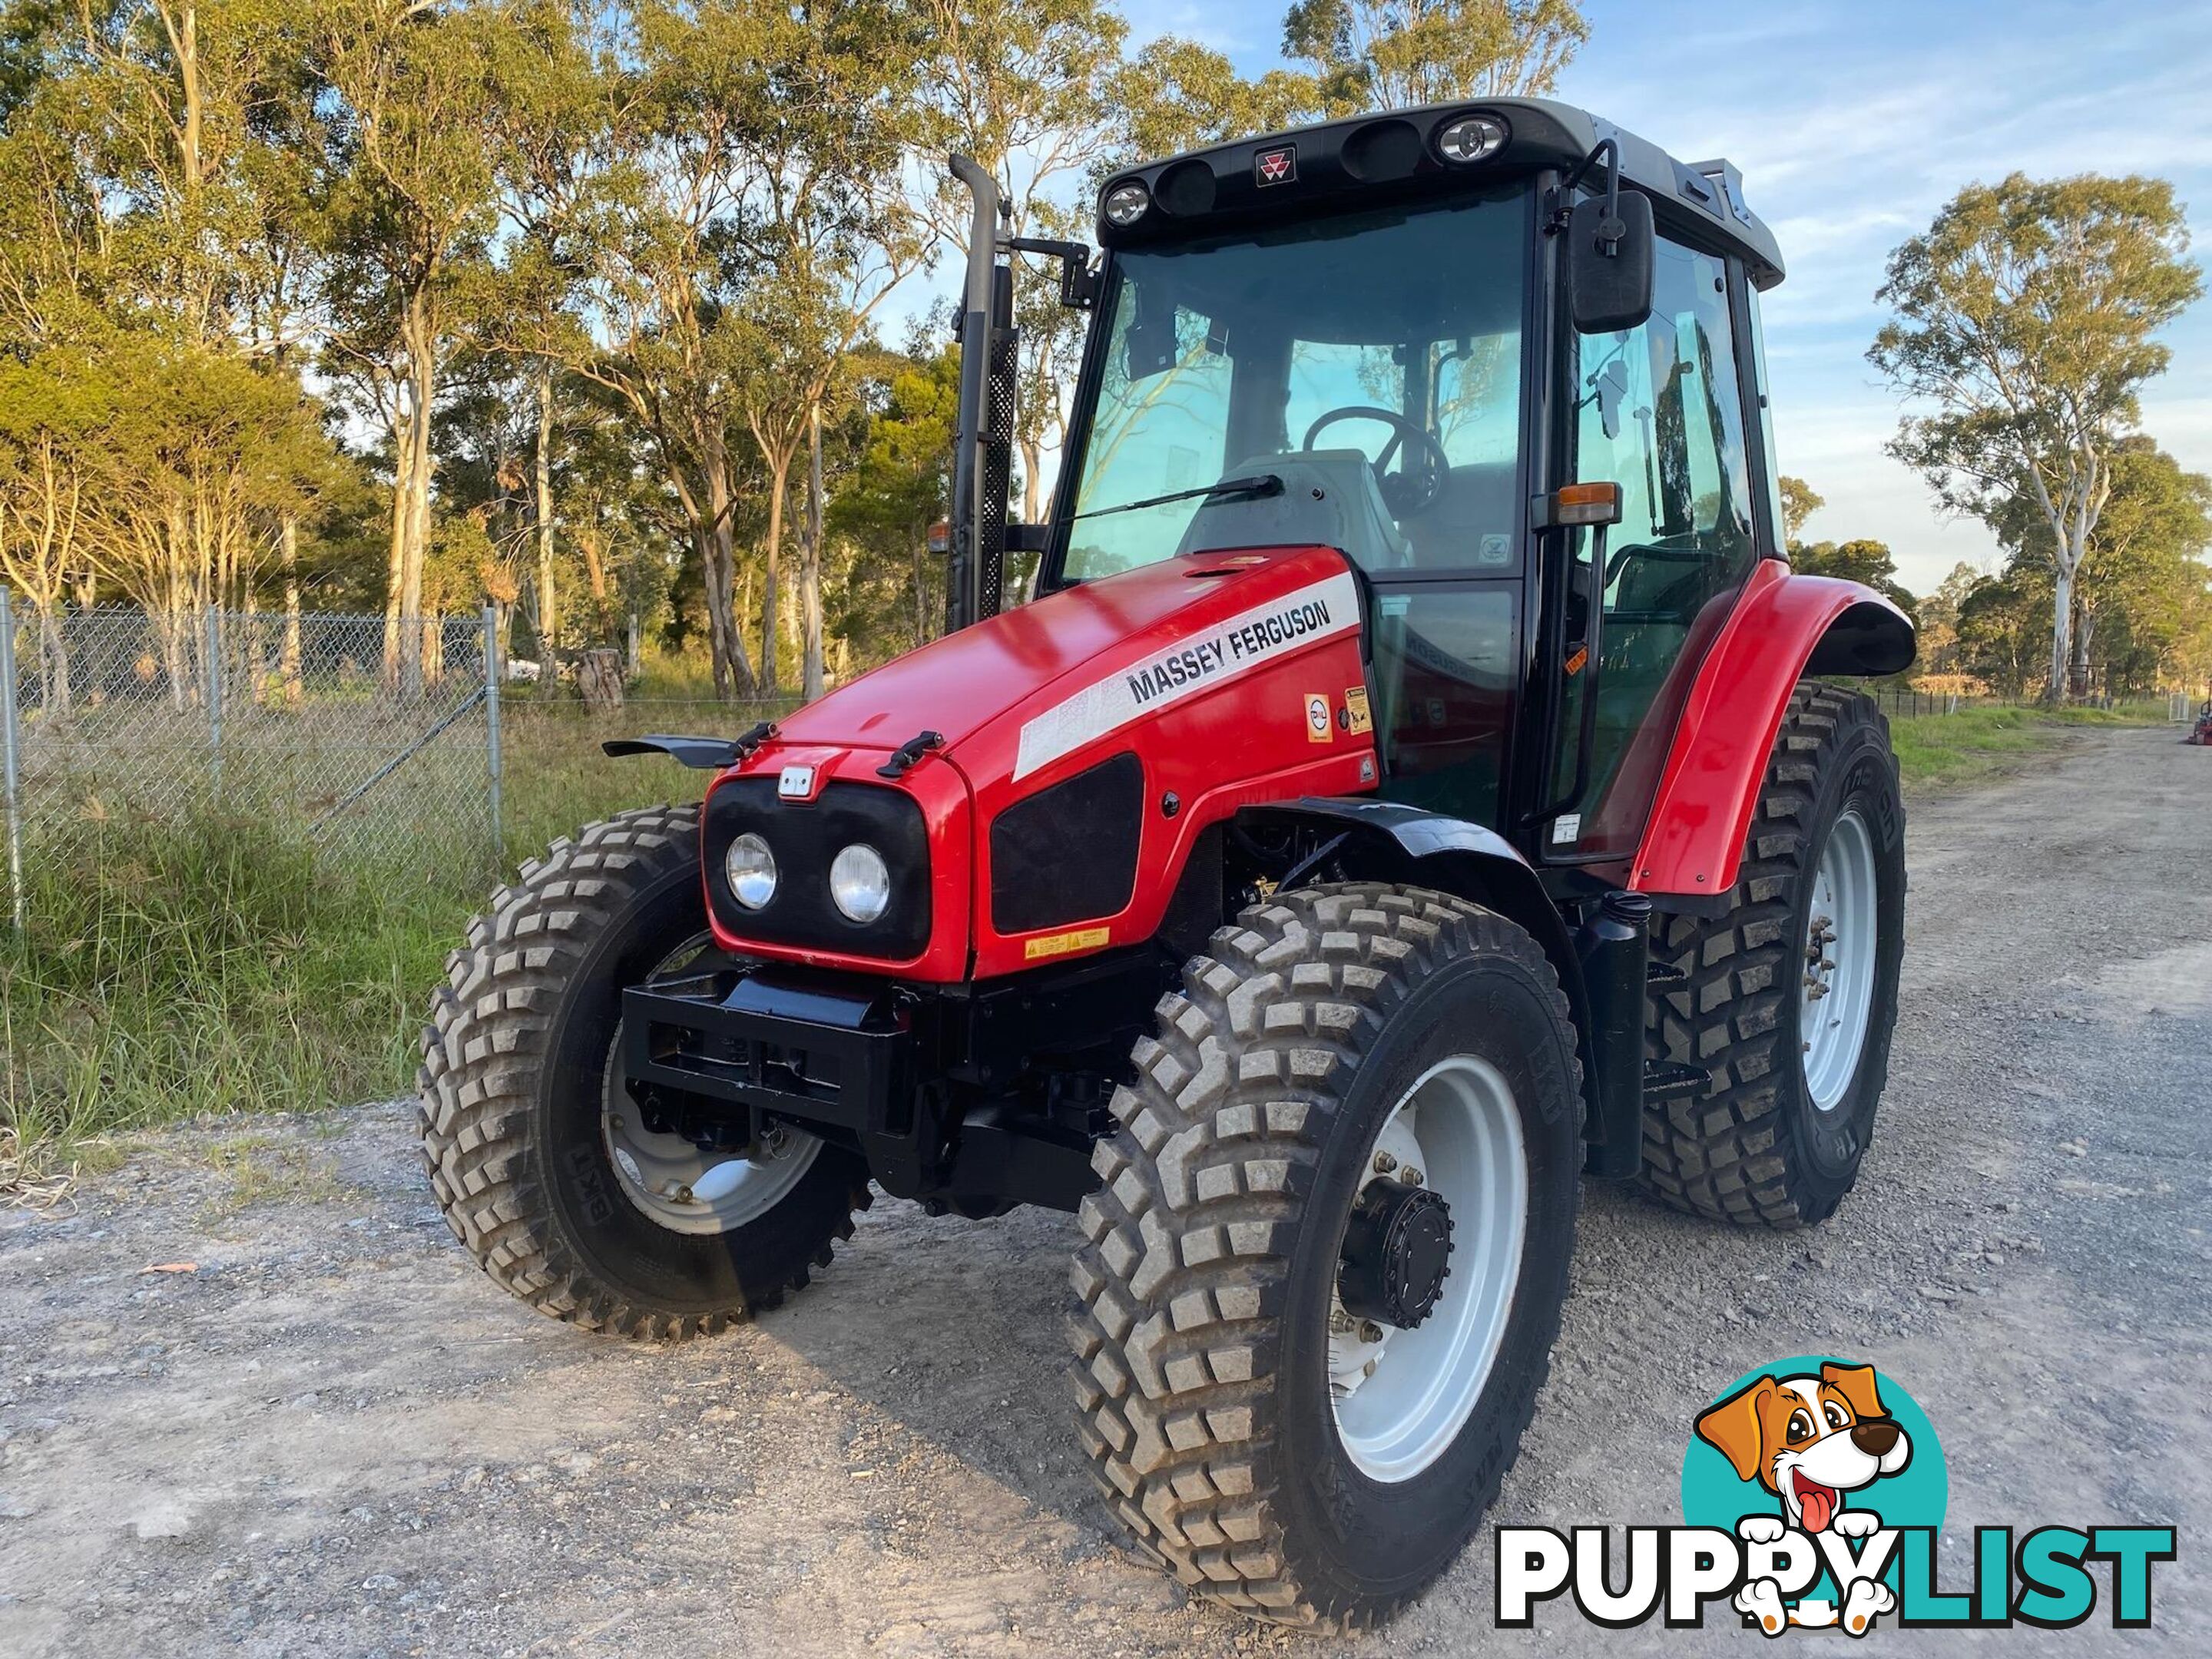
x: 1659, y: 411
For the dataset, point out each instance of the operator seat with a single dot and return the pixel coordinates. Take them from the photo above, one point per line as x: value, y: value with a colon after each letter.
x: 1329, y: 498
x: 1472, y: 522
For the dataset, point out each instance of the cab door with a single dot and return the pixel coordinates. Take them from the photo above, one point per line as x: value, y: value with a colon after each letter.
x: 1446, y: 613
x: 1658, y: 409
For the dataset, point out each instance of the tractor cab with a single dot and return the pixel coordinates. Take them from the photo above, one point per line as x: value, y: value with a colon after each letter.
x: 1386, y: 336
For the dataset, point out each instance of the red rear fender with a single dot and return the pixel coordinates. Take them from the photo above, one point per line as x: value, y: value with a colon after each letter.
x: 1784, y: 627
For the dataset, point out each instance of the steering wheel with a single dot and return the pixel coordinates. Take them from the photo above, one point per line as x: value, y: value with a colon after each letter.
x: 1406, y: 493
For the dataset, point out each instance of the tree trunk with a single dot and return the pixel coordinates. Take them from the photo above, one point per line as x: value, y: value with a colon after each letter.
x: 403, y: 453
x: 1032, y: 480
x: 289, y: 540
x: 779, y: 472
x: 599, y: 678
x: 53, y: 656
x: 549, y: 608
x: 812, y: 684
x: 2085, y: 630
x: 2061, y: 628
x: 423, y: 370
x: 733, y: 675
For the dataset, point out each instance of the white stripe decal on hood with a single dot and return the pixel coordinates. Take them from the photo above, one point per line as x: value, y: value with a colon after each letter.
x: 1209, y: 658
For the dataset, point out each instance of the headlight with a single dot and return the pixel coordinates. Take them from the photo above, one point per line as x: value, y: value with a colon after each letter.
x: 752, y: 869
x: 1472, y: 138
x: 1126, y: 203
x: 860, y: 883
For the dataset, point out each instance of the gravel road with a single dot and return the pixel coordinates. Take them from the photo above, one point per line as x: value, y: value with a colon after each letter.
x: 334, y: 1436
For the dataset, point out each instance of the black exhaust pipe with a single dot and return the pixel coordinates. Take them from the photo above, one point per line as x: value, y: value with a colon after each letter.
x: 983, y: 444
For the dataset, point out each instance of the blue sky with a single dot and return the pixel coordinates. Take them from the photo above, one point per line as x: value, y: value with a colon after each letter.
x: 1853, y: 122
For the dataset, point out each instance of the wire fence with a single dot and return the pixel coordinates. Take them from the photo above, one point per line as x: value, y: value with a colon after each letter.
x: 380, y: 736
x: 387, y: 740
x: 1903, y: 702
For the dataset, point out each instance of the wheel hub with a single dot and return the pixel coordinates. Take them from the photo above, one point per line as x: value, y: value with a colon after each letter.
x: 1397, y: 1253
x: 1836, y: 990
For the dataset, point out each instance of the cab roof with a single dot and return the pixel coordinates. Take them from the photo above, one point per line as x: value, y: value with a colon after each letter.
x: 1393, y: 155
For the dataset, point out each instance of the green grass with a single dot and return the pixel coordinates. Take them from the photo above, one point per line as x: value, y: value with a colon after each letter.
x: 220, y: 962
x: 1945, y: 751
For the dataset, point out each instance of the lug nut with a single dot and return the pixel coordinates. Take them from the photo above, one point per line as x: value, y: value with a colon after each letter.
x: 683, y: 1195
x: 1384, y: 1164
x: 1370, y: 1331
x: 1410, y: 1175
x: 1339, y: 1322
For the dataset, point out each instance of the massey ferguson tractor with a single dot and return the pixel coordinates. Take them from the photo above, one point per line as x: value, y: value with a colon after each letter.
x: 1413, y: 784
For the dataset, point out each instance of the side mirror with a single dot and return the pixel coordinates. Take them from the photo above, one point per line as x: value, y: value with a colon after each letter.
x: 1609, y: 250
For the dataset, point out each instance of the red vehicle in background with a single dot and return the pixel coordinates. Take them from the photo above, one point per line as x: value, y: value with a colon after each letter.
x: 1416, y: 783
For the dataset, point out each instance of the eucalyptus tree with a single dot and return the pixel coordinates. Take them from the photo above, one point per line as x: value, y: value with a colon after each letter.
x: 826, y: 229
x: 2025, y: 323
x: 1385, y: 54
x: 2141, y: 572
x: 1800, y: 501
x: 1020, y: 85
x: 549, y: 120
x: 409, y: 207
x: 1176, y: 95
x: 654, y: 319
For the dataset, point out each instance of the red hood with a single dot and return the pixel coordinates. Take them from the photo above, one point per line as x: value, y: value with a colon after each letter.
x: 960, y: 683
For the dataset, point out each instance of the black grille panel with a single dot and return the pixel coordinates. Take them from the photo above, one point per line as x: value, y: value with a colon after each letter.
x: 1069, y: 853
x: 806, y: 836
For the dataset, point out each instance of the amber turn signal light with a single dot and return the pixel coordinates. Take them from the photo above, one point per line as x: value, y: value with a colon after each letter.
x: 1579, y: 504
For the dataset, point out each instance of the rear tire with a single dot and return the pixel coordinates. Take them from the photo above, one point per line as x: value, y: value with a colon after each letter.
x: 514, y: 1091
x: 1209, y: 1335
x: 1773, y: 1142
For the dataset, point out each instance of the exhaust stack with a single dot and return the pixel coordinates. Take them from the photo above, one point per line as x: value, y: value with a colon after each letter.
x: 983, y: 444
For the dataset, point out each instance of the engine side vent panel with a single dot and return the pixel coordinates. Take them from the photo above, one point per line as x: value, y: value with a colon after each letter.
x: 1068, y: 853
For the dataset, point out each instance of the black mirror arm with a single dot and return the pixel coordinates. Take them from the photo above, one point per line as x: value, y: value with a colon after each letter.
x: 1613, y: 228
x: 1078, y: 283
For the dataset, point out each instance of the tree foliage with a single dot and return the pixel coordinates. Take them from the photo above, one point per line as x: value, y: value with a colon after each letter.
x: 1800, y: 501
x: 1383, y: 54
x: 2026, y: 325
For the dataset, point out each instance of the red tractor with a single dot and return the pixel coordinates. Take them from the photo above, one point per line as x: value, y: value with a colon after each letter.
x: 1414, y: 785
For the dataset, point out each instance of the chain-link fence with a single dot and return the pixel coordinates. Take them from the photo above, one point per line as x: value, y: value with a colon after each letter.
x: 380, y: 734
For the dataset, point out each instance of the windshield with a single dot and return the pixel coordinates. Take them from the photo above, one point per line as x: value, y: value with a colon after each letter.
x: 1369, y: 362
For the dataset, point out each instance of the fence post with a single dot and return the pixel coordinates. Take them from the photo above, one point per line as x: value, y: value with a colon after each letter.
x: 9, y: 766
x: 491, y: 667
x: 211, y: 654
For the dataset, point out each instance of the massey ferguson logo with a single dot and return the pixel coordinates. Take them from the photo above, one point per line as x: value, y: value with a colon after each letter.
x: 1276, y: 166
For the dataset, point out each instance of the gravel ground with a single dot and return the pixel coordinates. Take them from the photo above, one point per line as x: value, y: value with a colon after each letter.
x: 334, y: 1436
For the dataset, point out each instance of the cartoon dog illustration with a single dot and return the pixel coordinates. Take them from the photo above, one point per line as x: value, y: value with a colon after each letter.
x: 1809, y: 1440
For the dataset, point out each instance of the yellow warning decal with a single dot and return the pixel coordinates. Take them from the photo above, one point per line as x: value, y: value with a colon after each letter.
x: 1059, y: 944
x: 1355, y: 699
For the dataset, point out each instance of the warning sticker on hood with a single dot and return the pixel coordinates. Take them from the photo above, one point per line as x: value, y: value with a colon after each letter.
x: 1211, y: 657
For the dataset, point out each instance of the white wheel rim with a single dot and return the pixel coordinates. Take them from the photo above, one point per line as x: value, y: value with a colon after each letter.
x: 1400, y: 1402
x: 682, y: 1186
x: 1836, y: 991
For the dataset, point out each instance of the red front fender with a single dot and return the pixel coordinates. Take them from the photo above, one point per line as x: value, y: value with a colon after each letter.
x: 1785, y: 627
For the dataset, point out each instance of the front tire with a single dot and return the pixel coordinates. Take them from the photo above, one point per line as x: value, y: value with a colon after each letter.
x: 531, y: 1145
x: 1790, y: 999
x: 1218, y: 1372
